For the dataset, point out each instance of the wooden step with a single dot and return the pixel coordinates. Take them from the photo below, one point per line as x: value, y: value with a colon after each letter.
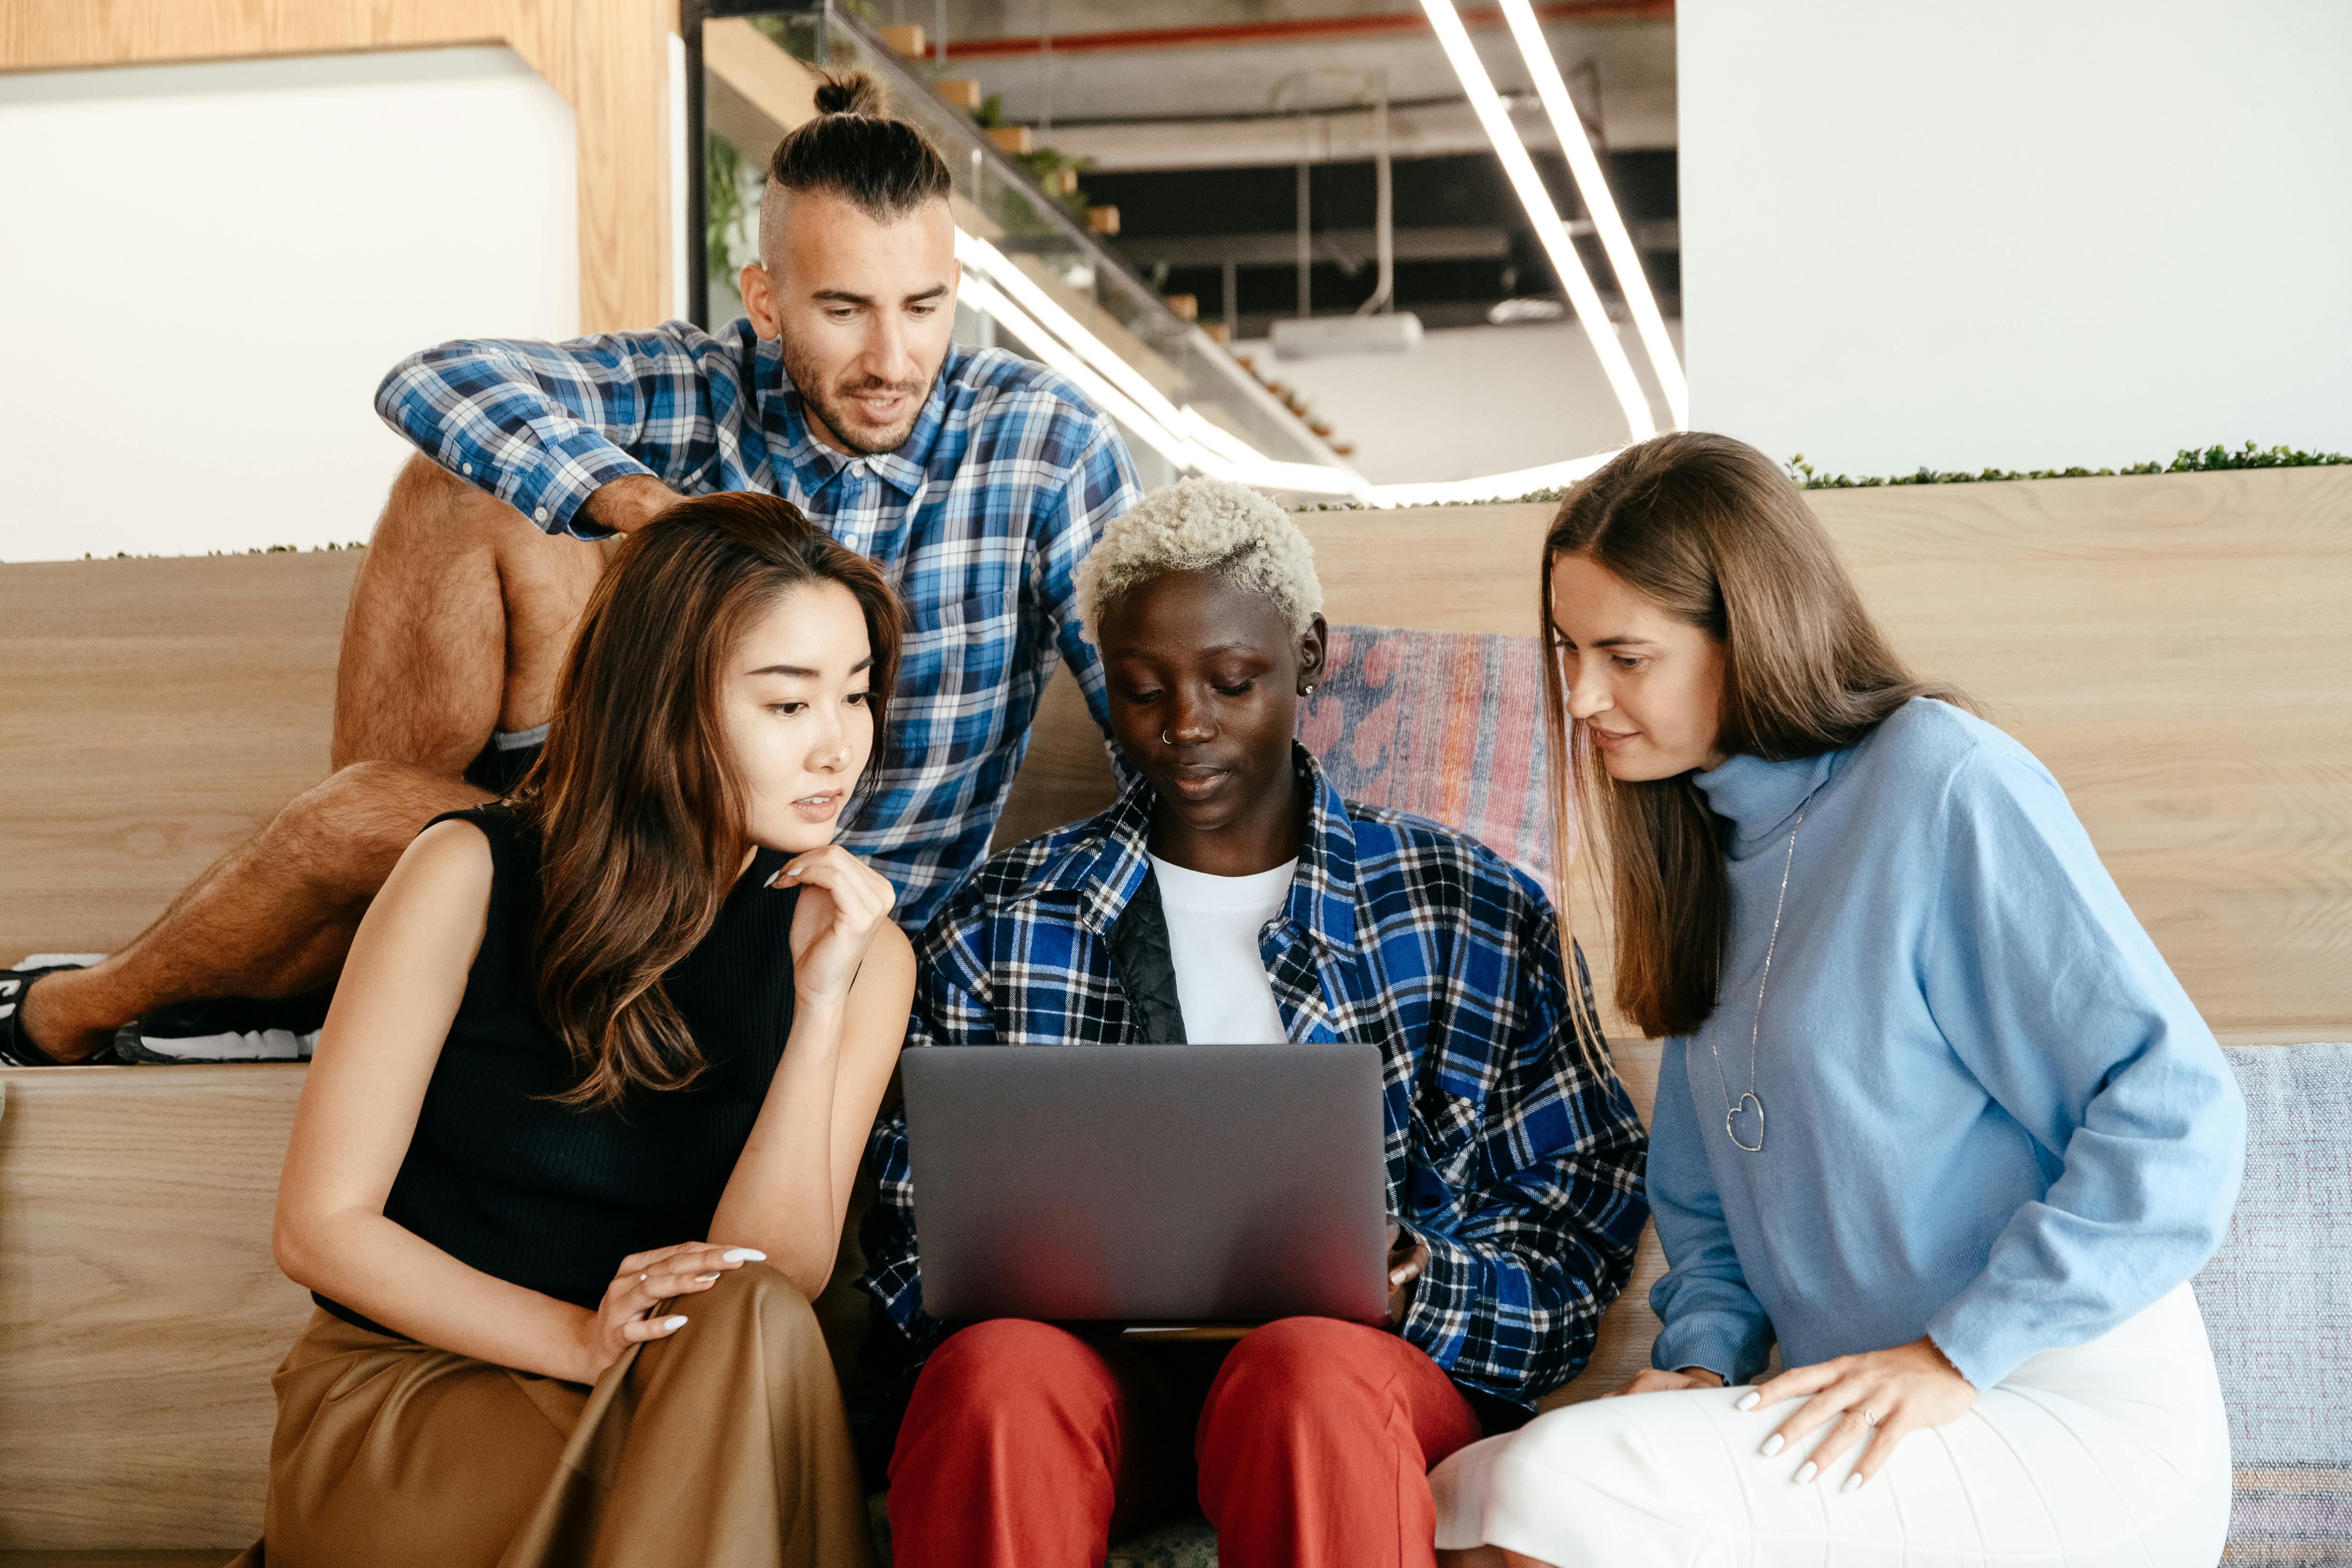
x: 213, y: 1558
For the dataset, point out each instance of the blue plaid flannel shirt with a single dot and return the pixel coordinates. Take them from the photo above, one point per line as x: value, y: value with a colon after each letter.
x: 979, y: 519
x: 1516, y: 1163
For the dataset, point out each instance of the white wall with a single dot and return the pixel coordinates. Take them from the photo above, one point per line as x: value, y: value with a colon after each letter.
x: 2015, y: 233
x: 1473, y: 401
x: 204, y: 270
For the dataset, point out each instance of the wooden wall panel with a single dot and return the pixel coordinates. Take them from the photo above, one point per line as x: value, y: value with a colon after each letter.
x: 141, y: 1315
x: 163, y: 709
x: 609, y: 58
x: 2175, y: 649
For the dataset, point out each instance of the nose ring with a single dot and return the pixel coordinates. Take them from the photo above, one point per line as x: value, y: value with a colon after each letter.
x: 1164, y: 740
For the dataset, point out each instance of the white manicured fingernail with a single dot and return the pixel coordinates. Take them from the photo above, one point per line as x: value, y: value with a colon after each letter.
x: 704, y: 1278
x: 742, y: 1255
x: 1807, y: 1471
x: 1774, y: 1443
x: 674, y: 1323
x: 1852, y: 1482
x: 1749, y: 1401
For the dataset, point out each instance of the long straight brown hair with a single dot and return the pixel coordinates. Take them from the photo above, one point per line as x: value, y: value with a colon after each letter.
x: 636, y: 800
x: 1708, y: 528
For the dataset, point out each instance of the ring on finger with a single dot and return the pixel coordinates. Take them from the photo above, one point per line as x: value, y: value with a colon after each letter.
x: 1869, y: 1417
x: 641, y: 1279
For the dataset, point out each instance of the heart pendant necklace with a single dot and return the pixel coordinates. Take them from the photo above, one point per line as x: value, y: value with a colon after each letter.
x: 1736, y: 1111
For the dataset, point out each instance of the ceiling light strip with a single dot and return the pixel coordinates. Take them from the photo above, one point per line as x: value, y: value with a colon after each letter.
x: 1489, y: 487
x: 1185, y: 436
x: 1607, y: 222
x: 977, y: 255
x: 1581, y: 295
x: 981, y: 294
x: 1083, y: 358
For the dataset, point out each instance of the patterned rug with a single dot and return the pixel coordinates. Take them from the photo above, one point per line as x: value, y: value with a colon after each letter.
x: 2277, y: 1299
x: 1446, y: 725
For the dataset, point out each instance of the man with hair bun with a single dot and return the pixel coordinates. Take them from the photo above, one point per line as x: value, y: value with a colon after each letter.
x: 975, y: 479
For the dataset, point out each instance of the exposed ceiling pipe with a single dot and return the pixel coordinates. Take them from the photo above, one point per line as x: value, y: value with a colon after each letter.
x: 1309, y: 29
x: 1383, y: 201
x: 1374, y: 83
x: 1045, y: 66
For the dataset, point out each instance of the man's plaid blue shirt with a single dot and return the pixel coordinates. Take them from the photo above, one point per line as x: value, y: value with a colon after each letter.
x: 979, y: 519
x: 1516, y: 1161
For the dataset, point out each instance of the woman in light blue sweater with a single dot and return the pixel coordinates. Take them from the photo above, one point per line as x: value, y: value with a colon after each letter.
x: 1932, y: 1113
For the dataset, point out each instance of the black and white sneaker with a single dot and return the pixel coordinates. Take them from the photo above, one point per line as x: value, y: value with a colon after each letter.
x: 227, y: 1029
x: 17, y: 1048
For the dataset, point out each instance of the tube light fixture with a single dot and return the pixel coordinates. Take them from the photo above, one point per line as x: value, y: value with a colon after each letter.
x: 996, y: 284
x: 1480, y: 88
x: 1486, y: 487
x: 1607, y: 222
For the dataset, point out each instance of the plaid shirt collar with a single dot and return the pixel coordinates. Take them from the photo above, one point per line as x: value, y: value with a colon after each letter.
x: 814, y: 465
x: 1101, y: 871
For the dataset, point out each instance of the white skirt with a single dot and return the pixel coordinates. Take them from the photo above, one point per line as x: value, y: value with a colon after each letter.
x: 2115, y: 1452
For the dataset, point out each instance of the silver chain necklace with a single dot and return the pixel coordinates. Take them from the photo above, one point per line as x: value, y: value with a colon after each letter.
x: 1732, y: 1109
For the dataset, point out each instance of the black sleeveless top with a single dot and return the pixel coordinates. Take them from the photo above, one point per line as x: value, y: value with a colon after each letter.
x: 552, y: 1198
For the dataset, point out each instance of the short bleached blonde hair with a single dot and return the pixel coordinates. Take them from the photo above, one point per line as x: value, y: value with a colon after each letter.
x: 1203, y: 524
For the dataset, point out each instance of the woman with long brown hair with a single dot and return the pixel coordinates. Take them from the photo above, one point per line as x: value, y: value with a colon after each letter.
x: 573, y: 1156
x: 1932, y: 1113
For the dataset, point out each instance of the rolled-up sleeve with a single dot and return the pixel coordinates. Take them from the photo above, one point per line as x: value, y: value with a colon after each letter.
x: 543, y: 426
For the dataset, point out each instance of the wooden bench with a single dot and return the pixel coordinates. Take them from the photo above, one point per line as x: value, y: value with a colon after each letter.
x: 2175, y: 647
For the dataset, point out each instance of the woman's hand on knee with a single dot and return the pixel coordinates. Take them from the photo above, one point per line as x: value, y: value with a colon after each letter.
x: 644, y: 1280
x: 1883, y: 1398
x: 1649, y: 1380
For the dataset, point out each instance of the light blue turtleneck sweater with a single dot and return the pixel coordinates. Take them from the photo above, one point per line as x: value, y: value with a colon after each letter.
x: 1992, y: 1116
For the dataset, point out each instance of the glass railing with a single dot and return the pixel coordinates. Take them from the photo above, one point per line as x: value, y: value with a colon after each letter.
x: 1034, y: 279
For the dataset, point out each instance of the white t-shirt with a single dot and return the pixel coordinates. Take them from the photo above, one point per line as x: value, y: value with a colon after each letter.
x: 1213, y: 930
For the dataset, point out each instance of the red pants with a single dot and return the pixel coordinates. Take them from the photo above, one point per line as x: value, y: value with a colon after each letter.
x: 1026, y: 1446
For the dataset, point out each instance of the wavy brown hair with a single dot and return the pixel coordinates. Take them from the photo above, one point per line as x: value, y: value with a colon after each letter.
x: 636, y: 800
x: 1708, y: 528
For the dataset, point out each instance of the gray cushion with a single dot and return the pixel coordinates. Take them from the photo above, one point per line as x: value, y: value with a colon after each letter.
x: 1186, y: 1543
x: 2277, y: 1299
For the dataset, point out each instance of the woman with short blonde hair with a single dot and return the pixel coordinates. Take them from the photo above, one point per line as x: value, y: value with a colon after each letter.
x: 1232, y: 896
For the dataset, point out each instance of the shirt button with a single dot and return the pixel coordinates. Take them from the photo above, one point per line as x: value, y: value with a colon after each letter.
x: 467, y: 468
x: 541, y: 514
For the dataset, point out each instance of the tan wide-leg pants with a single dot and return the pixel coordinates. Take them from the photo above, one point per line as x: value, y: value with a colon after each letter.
x: 724, y: 1446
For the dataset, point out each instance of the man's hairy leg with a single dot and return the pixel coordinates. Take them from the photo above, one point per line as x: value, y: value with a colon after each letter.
x: 272, y: 917
x: 458, y: 621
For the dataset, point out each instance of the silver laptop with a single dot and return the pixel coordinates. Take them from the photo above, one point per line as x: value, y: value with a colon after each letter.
x: 1149, y: 1182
